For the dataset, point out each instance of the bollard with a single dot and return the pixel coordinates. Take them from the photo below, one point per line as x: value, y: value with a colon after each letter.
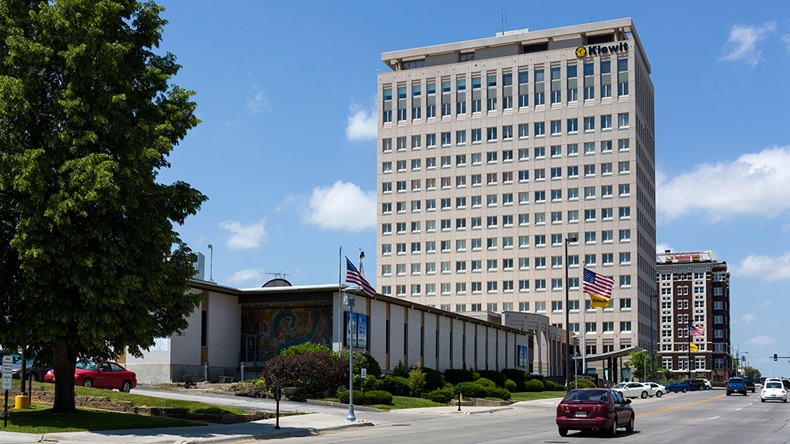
x: 241, y: 376
x: 278, y: 393
x: 459, y: 397
x: 205, y: 371
x: 22, y: 402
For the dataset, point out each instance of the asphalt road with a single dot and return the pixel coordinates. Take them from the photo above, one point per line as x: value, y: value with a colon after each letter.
x: 694, y: 417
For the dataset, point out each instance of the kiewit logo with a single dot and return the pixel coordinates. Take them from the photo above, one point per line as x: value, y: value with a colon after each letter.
x: 582, y: 52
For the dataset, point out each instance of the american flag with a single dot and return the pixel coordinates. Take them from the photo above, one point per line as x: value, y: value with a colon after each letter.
x: 355, y: 277
x: 597, y: 284
x: 696, y: 330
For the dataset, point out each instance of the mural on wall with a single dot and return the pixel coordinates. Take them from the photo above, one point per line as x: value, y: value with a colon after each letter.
x: 280, y: 328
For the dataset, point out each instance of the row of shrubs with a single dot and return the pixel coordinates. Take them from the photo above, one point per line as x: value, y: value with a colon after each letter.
x: 323, y: 373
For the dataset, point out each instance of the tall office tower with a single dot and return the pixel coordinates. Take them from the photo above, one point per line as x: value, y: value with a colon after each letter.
x: 695, y: 291
x: 493, y: 152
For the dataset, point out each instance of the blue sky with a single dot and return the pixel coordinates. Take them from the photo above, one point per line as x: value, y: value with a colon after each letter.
x: 286, y: 151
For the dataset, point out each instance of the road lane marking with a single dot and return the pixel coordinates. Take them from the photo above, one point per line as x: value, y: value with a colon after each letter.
x: 716, y: 417
x: 669, y: 409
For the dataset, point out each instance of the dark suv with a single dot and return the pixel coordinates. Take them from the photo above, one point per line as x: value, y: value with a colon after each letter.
x: 695, y: 384
x: 736, y: 385
x: 749, y: 382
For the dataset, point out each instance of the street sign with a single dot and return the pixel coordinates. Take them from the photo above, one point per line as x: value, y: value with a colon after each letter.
x: 364, y: 373
x: 8, y: 363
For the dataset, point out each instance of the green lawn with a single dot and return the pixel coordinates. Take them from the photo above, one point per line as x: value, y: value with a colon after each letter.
x: 531, y: 396
x: 406, y: 402
x: 40, y: 419
x: 150, y: 401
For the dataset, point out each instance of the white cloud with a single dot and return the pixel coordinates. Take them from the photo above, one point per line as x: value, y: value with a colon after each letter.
x: 258, y: 101
x: 753, y: 184
x: 361, y: 123
x: 662, y: 247
x: 786, y: 40
x: 244, y: 236
x: 742, y: 44
x: 343, y: 206
x: 760, y: 340
x: 749, y: 318
x: 242, y: 276
x: 764, y: 267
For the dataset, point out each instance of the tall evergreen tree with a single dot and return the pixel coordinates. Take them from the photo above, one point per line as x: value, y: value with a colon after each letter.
x: 91, y: 263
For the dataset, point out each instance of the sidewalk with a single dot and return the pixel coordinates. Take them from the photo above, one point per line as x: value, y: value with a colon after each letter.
x: 290, y: 426
x: 296, y: 425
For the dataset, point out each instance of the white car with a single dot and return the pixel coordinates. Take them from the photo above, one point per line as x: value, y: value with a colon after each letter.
x: 656, y: 389
x: 773, y: 390
x: 707, y: 383
x: 633, y: 389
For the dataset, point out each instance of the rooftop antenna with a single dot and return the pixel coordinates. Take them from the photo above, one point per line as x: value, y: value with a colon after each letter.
x: 278, y: 275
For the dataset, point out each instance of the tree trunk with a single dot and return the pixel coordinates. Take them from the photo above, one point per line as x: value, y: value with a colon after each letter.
x: 63, y: 361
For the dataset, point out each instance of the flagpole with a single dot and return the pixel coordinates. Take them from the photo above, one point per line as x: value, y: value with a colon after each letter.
x: 583, y: 331
x: 340, y: 299
x: 688, y: 327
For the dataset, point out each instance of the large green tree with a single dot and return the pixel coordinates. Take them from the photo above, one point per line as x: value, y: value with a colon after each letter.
x: 91, y: 263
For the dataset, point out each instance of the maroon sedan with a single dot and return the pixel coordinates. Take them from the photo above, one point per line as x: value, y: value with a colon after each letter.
x: 106, y: 374
x: 595, y: 409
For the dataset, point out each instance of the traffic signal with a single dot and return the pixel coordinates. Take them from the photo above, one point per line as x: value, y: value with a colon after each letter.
x: 776, y: 357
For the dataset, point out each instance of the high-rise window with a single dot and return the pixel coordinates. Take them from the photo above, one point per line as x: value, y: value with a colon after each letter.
x: 606, y: 79
x: 573, y: 90
x: 589, y: 81
x: 523, y: 90
x: 477, y: 94
x: 556, y: 85
x: 539, y: 87
x: 622, y: 77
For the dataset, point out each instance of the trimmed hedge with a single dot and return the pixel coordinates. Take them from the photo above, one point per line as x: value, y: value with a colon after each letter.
x: 485, y: 382
x: 434, y: 379
x: 397, y: 385
x: 493, y: 375
x: 517, y: 376
x: 584, y: 383
x: 473, y: 390
x: 456, y: 376
x: 442, y: 396
x: 534, y: 385
x: 510, y: 385
x: 374, y: 397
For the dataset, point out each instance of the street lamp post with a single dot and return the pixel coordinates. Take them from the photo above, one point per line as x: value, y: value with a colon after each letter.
x: 652, y: 341
x: 575, y: 363
x: 567, y: 316
x: 350, y: 303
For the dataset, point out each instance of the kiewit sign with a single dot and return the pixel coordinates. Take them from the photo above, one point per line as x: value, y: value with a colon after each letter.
x: 583, y: 51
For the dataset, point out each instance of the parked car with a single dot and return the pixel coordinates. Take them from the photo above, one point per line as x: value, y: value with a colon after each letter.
x: 676, y: 386
x: 106, y: 374
x: 32, y: 371
x: 596, y: 409
x: 749, y: 383
x: 773, y: 390
x: 656, y: 389
x: 707, y: 385
x: 695, y: 384
x: 633, y: 390
x: 736, y: 385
